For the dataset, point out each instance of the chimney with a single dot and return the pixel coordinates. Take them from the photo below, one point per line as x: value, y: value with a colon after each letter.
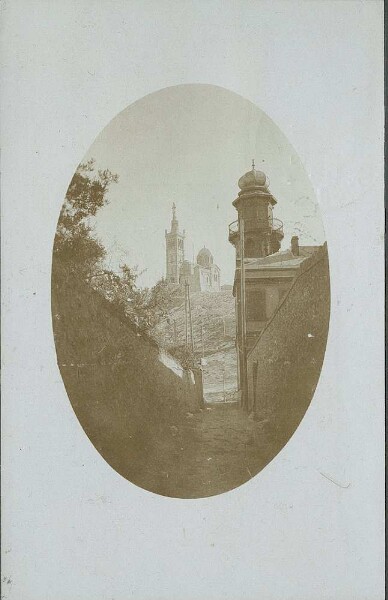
x: 295, y: 245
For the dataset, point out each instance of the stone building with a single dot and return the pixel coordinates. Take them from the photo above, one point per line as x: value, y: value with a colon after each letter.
x: 175, y: 250
x: 284, y: 364
x: 202, y: 276
x: 263, y: 273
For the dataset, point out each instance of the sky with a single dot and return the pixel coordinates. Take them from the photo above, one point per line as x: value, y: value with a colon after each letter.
x: 189, y: 144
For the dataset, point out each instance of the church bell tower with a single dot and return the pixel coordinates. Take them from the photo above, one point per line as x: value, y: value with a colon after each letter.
x: 175, y: 250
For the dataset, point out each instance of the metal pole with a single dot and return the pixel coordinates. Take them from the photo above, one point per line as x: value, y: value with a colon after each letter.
x: 190, y: 319
x: 186, y: 318
x: 243, y: 314
x: 223, y: 380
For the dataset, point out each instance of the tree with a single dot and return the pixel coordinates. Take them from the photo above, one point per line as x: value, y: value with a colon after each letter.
x: 121, y: 289
x: 78, y: 254
x: 76, y: 250
x: 161, y: 298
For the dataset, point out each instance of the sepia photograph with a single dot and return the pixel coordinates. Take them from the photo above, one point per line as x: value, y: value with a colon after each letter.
x: 192, y: 207
x: 190, y: 291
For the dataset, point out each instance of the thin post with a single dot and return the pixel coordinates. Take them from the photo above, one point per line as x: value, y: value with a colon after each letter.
x: 243, y: 314
x: 223, y: 380
x: 190, y: 318
x: 186, y: 318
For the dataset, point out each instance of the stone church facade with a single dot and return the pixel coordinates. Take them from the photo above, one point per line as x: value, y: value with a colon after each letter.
x: 202, y: 276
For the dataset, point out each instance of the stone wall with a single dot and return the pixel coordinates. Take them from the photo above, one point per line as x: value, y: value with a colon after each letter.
x: 285, y: 364
x: 130, y: 398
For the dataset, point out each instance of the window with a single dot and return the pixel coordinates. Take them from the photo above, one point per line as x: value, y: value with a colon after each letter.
x: 255, y: 305
x: 249, y: 248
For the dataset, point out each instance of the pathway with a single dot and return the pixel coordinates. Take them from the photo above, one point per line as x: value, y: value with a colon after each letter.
x: 219, y: 451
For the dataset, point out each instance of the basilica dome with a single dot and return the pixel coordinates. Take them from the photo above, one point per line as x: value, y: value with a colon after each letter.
x: 204, y: 257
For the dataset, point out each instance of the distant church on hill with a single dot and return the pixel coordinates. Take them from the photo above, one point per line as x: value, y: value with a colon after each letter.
x: 202, y: 276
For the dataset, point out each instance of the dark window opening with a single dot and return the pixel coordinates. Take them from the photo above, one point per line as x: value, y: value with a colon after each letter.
x: 249, y: 247
x: 255, y: 305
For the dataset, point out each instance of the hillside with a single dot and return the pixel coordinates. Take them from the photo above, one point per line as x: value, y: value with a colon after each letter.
x: 129, y: 402
x: 214, y: 326
x: 131, y: 405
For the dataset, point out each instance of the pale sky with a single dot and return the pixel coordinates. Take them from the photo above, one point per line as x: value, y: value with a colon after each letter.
x: 190, y: 144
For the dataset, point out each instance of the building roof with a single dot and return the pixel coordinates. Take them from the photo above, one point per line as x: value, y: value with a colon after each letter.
x: 280, y: 260
x: 204, y: 257
x: 254, y: 184
x: 253, y: 178
x: 283, y: 264
x: 205, y: 252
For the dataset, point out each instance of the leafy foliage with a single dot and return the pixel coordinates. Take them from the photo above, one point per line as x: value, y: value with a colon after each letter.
x: 75, y: 248
x: 79, y: 255
x: 145, y: 307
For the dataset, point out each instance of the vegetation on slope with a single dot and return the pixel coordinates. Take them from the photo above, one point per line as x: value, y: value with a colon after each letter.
x: 131, y: 406
x: 214, y: 325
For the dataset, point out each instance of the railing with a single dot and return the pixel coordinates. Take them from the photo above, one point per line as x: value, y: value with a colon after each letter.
x: 277, y: 225
x: 233, y: 227
x: 274, y: 224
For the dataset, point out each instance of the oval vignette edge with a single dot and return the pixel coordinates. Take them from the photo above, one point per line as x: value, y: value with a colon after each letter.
x: 190, y: 292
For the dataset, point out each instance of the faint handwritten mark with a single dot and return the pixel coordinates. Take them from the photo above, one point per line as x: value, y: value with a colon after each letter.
x: 344, y: 487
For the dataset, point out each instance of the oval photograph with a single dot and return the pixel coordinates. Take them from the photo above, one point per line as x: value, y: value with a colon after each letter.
x: 190, y: 291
